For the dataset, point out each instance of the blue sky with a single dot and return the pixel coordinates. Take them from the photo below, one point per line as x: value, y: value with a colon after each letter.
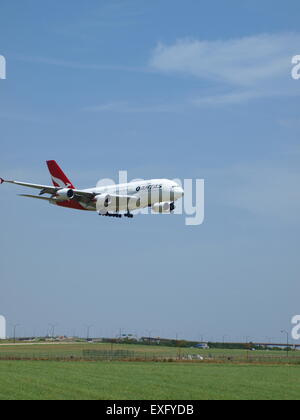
x: 162, y: 89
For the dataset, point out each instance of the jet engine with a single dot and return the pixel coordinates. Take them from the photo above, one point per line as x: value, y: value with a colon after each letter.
x: 163, y: 207
x: 64, y: 195
x: 103, y: 202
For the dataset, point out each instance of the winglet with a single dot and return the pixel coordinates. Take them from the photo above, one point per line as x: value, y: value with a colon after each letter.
x: 2, y: 181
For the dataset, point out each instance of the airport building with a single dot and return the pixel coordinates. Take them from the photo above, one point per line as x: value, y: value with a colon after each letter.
x: 2, y: 328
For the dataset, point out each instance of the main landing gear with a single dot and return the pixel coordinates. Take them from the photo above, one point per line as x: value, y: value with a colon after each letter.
x: 116, y: 215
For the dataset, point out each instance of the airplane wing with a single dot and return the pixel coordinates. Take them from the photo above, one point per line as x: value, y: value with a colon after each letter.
x: 35, y: 196
x: 46, y: 189
x: 79, y: 195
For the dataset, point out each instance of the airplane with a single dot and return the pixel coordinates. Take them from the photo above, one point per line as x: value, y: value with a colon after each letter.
x: 112, y: 200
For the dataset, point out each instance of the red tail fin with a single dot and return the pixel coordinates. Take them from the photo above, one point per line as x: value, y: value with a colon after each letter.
x: 59, y: 179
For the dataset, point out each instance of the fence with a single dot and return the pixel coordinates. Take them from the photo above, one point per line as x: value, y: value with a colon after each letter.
x: 124, y: 355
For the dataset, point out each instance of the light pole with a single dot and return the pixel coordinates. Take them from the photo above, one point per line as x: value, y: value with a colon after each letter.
x: 224, y: 338
x: 149, y: 335
x: 121, y: 331
x: 248, y: 346
x: 52, y: 326
x: 201, y: 338
x: 15, y: 328
x: 287, y: 341
x: 88, y: 332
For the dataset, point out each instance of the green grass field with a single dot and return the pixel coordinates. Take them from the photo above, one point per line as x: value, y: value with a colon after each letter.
x: 32, y: 379
x: 139, y: 381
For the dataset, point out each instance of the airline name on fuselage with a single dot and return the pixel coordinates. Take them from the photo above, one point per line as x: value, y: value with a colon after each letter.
x: 149, y: 187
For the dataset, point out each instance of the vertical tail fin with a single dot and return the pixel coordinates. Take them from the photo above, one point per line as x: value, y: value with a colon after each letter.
x: 59, y: 179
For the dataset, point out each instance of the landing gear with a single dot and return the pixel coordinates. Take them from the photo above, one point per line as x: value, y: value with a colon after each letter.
x: 118, y: 216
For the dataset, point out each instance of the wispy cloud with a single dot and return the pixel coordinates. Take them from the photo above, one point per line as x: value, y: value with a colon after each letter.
x: 127, y: 108
x: 242, y: 70
x: 13, y: 116
x: 113, y: 14
x: 244, y: 61
x: 51, y: 61
x: 233, y: 97
x: 249, y: 67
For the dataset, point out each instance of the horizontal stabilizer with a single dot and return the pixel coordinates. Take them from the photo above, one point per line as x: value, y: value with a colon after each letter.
x: 34, y: 196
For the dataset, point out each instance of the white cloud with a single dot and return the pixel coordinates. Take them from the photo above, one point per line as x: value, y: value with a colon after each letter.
x: 248, y: 68
x: 243, y: 61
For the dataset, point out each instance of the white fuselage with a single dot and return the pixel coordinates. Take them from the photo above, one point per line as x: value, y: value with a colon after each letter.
x: 148, y: 193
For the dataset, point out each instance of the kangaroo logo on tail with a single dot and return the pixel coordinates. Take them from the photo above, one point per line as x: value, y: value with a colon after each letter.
x: 59, y: 179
